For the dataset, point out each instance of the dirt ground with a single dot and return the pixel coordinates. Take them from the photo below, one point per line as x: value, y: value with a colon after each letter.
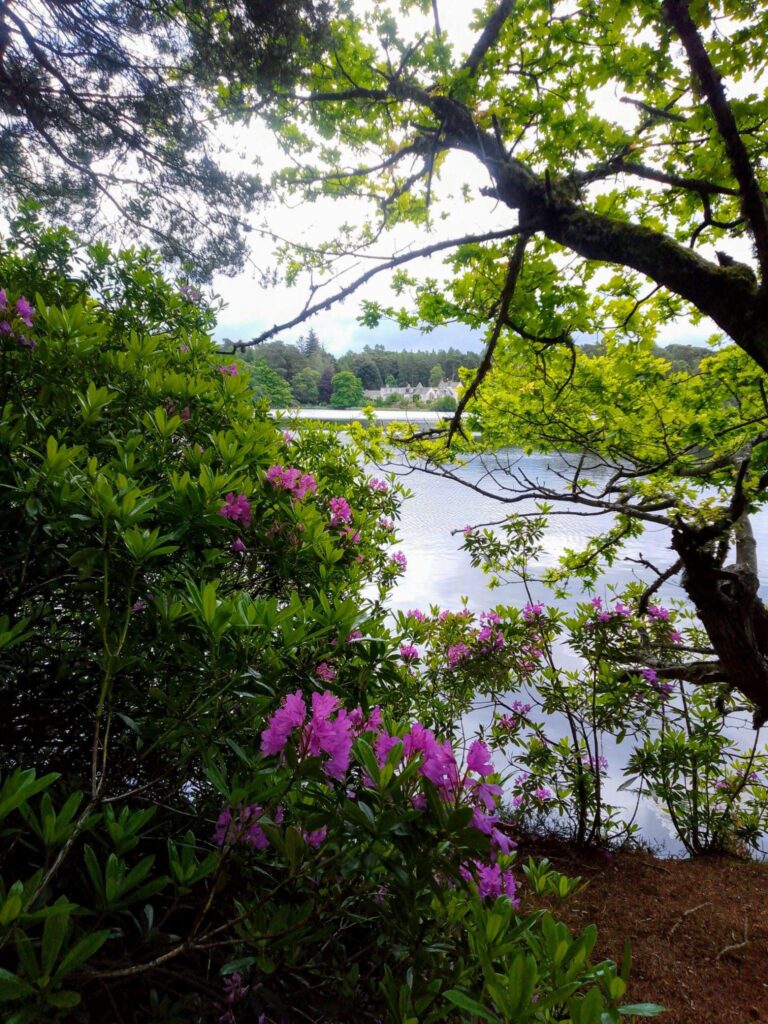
x: 698, y: 928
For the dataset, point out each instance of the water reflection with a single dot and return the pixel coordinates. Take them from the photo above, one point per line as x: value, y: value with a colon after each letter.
x: 440, y: 573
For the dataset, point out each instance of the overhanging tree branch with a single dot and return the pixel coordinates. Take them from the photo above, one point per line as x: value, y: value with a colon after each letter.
x: 507, y: 294
x: 396, y: 261
x: 712, y: 86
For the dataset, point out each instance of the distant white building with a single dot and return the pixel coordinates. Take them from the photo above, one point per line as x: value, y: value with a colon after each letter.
x: 448, y: 389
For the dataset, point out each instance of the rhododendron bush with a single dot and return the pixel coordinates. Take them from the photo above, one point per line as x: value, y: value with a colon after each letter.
x: 228, y: 789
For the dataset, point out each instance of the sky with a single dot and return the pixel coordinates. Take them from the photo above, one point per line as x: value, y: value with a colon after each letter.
x: 250, y: 307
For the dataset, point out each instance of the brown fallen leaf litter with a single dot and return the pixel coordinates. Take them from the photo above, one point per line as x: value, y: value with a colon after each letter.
x: 698, y: 928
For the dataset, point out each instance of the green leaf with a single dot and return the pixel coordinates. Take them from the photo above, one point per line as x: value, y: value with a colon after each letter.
x: 13, y: 987
x: 80, y: 952
x: 53, y: 935
x: 642, y: 1010
x: 465, y: 1002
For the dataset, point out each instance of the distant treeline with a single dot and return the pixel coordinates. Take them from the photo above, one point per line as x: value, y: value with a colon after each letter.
x: 304, y: 372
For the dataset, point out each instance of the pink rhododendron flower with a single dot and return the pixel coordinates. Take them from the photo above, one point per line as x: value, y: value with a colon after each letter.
x: 26, y: 342
x: 467, y: 531
x: 290, y: 715
x: 457, y: 654
x: 409, y: 653
x: 237, y: 509
x: 398, y: 559
x: 306, y: 485
x: 414, y: 613
x: 238, y: 547
x: 649, y: 674
x: 382, y: 746
x: 291, y: 479
x: 542, y: 793
x: 622, y: 609
x: 533, y: 611
x: 228, y: 369
x: 490, y: 639
x: 25, y: 310
x: 240, y: 827
x: 3, y: 300
x: 325, y: 672
x: 354, y: 635
x: 316, y: 838
x: 601, y: 764
x: 387, y: 524
x: 492, y: 882
x: 340, y: 511
x: 287, y: 437
x: 675, y: 637
x: 184, y: 348
x: 655, y: 611
x: 330, y: 736
x: 5, y: 327
x: 490, y: 617
x: 186, y: 415
x: 479, y: 759
x: 486, y: 823
x: 381, y: 486
x: 375, y: 720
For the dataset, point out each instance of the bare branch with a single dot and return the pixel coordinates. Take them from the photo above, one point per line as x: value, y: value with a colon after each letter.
x: 343, y: 293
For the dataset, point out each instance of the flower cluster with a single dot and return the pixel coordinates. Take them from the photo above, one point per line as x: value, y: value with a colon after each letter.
x: 408, y: 652
x: 533, y: 611
x: 234, y: 992
x: 399, y: 561
x: 228, y: 369
x: 291, y: 479
x: 242, y: 826
x: 458, y: 654
x: 599, y: 765
x: 319, y: 735
x: 511, y: 722
x: 237, y: 509
x: 340, y: 511
x: 663, y: 688
x: 329, y: 732
x: 380, y: 486
x: 23, y: 311
x: 492, y: 881
x: 620, y: 610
